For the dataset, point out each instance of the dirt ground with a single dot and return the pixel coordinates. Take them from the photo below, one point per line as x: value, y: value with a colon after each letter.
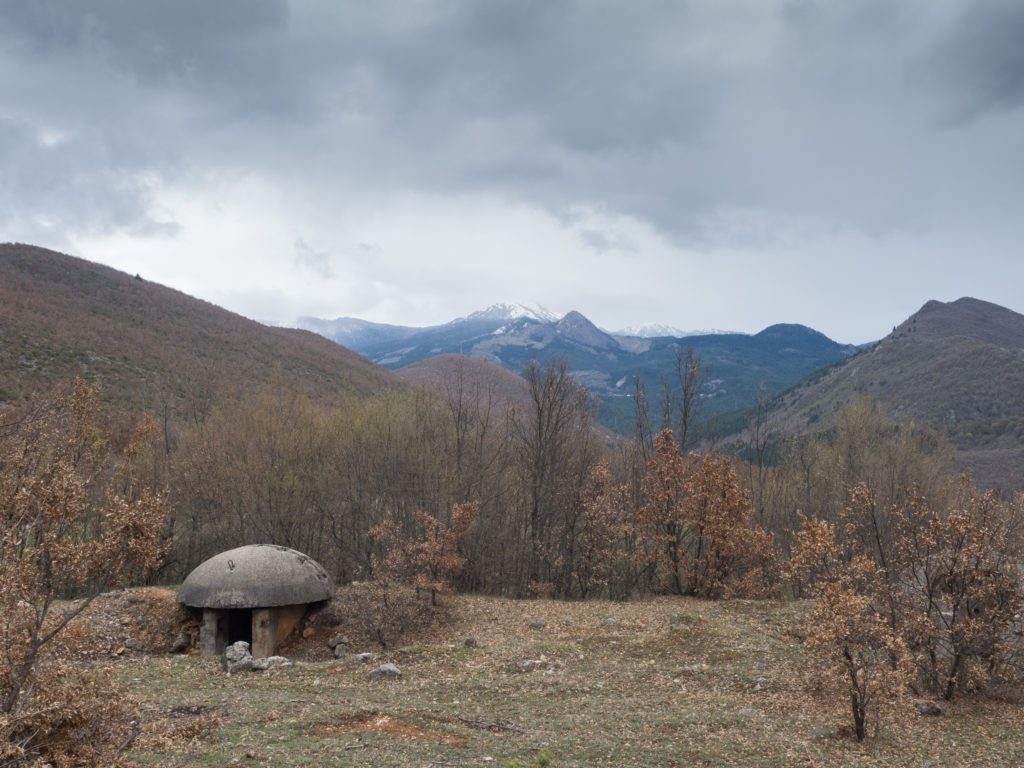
x: 664, y: 682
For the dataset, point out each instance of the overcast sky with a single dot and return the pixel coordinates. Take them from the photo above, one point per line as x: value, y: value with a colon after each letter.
x: 703, y: 164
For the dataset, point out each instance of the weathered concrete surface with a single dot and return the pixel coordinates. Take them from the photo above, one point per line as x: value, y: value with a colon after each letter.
x: 264, y: 632
x: 256, y: 576
x: 213, y: 632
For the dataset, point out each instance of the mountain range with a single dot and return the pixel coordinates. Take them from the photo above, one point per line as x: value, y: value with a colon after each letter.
x: 735, y: 365
x: 957, y: 366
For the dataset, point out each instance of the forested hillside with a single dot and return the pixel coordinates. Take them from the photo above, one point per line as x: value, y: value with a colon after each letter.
x: 151, y: 346
x: 957, y: 367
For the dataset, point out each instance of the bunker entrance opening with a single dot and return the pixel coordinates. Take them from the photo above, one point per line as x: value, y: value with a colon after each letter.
x: 240, y: 625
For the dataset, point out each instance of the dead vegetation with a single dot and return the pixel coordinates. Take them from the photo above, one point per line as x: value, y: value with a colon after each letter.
x: 668, y: 681
x: 73, y: 520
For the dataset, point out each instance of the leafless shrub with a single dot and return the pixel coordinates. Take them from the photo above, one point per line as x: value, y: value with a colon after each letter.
x: 73, y: 523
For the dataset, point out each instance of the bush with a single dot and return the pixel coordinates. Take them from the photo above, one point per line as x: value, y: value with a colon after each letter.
x: 697, y: 524
x: 387, y: 614
x: 75, y: 718
x: 854, y: 648
x: 73, y: 523
x: 914, y: 595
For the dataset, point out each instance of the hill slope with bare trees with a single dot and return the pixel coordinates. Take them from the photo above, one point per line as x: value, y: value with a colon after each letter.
x: 150, y: 346
x: 957, y: 367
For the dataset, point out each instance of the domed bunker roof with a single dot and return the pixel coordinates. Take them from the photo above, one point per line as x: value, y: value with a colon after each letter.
x: 256, y: 576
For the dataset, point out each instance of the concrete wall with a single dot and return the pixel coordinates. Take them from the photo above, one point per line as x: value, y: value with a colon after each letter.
x: 270, y: 627
x: 213, y: 632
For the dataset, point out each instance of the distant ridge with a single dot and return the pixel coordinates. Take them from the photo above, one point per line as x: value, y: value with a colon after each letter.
x: 967, y: 317
x: 657, y: 330
x: 62, y: 316
x: 353, y: 332
x: 957, y: 366
x: 736, y: 365
x: 511, y: 312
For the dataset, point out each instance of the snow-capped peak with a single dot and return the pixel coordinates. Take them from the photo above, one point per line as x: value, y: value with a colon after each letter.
x: 649, y: 331
x: 713, y: 332
x: 514, y: 312
x: 654, y: 330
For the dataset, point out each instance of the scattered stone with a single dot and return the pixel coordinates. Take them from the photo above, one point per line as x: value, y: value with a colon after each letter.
x: 340, y: 651
x: 134, y: 645
x: 471, y: 642
x: 387, y: 670
x: 365, y: 658
x: 537, y: 625
x: 928, y: 709
x: 760, y: 684
x: 528, y: 665
x: 749, y: 712
x: 271, y: 662
x: 610, y: 621
x: 337, y: 640
x: 182, y: 642
x: 237, y: 658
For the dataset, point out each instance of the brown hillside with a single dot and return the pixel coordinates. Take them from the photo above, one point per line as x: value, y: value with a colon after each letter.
x: 958, y: 367
x: 971, y: 318
x: 444, y: 374
x: 149, y: 345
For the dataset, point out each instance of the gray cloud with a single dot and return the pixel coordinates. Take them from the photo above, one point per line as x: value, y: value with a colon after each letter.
x: 318, y: 262
x: 762, y: 125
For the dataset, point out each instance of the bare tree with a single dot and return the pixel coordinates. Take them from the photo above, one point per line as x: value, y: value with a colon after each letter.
x: 759, y: 440
x: 552, y: 439
x: 689, y: 376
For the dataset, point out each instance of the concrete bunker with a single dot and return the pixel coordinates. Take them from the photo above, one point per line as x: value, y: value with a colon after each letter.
x: 256, y: 593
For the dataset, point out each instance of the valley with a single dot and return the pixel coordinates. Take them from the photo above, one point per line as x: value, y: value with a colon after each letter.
x: 735, y: 366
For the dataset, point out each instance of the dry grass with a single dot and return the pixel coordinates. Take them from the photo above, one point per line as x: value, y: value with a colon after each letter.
x: 668, y: 682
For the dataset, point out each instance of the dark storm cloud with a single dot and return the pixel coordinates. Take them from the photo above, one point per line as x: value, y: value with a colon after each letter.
x: 719, y: 124
x: 984, y: 59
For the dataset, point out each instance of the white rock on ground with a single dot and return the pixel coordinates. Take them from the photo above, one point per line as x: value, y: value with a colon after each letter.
x: 271, y: 662
x: 387, y: 670
x: 237, y: 658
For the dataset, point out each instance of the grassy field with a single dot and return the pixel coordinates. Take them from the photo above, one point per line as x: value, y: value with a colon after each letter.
x: 668, y: 682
